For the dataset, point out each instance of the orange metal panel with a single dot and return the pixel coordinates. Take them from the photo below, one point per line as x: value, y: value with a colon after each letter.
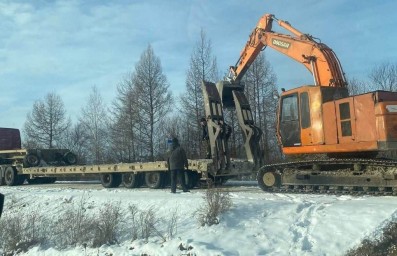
x: 329, y: 119
x: 386, y: 121
x: 317, y: 130
x: 364, y: 108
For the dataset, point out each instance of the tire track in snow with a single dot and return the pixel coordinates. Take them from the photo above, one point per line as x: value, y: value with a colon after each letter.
x: 302, y: 227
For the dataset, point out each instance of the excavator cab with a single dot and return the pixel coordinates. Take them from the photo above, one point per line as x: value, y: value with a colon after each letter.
x: 300, y: 115
x: 323, y: 119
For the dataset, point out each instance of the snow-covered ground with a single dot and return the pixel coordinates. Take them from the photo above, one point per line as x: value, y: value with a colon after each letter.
x: 258, y: 223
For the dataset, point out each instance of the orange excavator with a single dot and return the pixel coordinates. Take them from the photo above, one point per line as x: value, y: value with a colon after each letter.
x: 320, y: 119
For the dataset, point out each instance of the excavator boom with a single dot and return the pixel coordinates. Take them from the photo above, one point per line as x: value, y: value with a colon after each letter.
x: 317, y: 57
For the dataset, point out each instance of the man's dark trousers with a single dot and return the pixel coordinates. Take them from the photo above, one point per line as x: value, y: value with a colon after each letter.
x: 175, y: 176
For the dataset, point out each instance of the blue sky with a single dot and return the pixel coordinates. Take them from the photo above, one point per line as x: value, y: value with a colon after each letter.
x: 67, y: 47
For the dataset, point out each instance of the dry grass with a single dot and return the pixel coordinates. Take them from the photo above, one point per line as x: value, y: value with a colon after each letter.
x: 20, y: 231
x: 385, y: 245
x: 107, y: 224
x: 74, y: 226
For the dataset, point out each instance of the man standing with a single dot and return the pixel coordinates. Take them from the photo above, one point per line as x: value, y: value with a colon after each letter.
x: 177, y: 161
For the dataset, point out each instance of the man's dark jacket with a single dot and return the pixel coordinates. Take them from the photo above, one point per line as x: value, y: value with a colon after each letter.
x: 177, y: 159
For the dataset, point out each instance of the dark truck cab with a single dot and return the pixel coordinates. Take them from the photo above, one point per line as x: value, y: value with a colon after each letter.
x: 10, y: 139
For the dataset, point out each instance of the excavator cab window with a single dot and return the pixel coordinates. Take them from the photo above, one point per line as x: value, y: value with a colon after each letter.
x: 344, y: 112
x: 289, y: 110
x: 289, y: 121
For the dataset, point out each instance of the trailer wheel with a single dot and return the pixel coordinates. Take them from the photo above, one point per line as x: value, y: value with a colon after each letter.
x: 111, y: 180
x: 131, y: 180
x: 267, y: 179
x: 31, y: 160
x: 11, y: 178
x: 69, y: 158
x: 154, y: 179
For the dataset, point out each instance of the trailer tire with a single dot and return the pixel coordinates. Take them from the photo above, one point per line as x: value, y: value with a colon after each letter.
x: 111, y: 180
x: 11, y: 177
x: 31, y: 160
x: 131, y: 180
x: 69, y: 158
x: 155, y: 180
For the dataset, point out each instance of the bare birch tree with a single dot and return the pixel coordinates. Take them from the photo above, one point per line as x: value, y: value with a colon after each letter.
x: 46, y: 123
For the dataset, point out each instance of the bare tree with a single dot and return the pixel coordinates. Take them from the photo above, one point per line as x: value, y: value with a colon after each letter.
x: 153, y: 97
x: 94, y: 121
x: 260, y: 85
x: 47, y: 122
x: 75, y: 140
x: 125, y: 120
x: 356, y: 86
x: 202, y: 67
x: 384, y: 76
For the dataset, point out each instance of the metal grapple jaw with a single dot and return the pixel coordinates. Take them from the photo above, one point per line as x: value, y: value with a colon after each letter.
x: 228, y: 95
x: 225, y: 89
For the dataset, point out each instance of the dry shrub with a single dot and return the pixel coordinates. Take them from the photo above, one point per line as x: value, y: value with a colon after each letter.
x: 145, y: 223
x: 216, y: 202
x: 107, y: 224
x: 172, y: 227
x: 74, y: 225
x: 134, y: 211
x: 385, y: 245
x: 148, y: 222
x: 21, y: 230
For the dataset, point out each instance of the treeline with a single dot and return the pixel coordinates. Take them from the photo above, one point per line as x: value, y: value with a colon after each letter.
x: 144, y: 113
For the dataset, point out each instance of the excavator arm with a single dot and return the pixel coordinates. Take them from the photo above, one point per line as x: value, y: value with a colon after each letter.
x: 317, y: 57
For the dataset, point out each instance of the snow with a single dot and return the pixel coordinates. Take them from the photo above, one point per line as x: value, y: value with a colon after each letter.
x: 259, y: 223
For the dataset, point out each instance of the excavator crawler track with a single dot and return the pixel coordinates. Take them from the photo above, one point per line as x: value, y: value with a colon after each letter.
x: 332, y: 176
